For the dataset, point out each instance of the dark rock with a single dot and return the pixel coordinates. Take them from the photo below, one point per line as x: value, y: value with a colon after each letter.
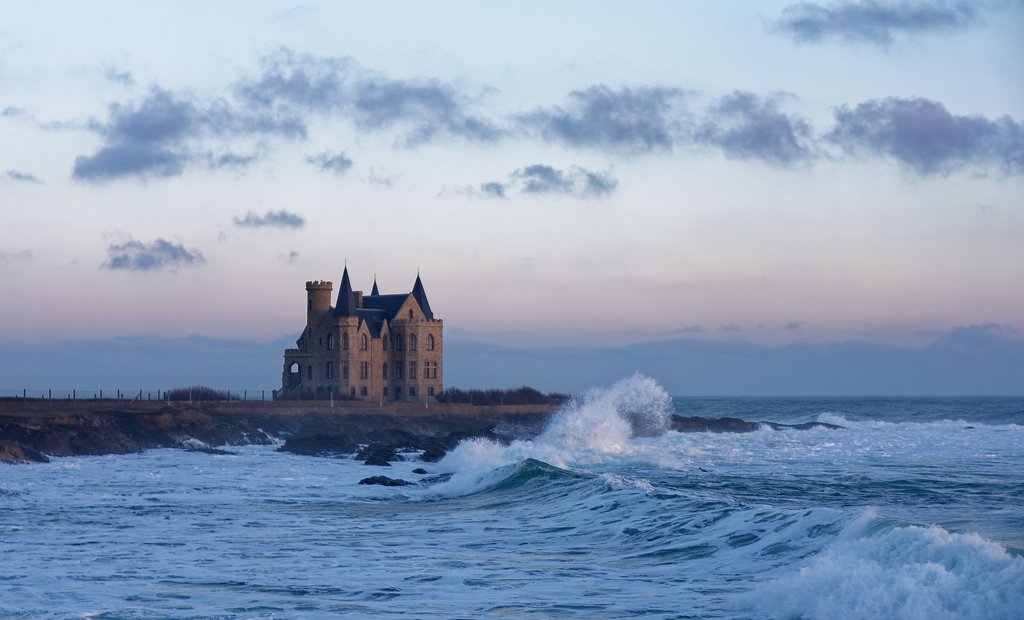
x: 378, y: 452
x: 385, y: 481
x: 419, y: 470
x: 394, y: 438
x: 16, y: 453
x: 378, y: 461
x: 734, y: 425
x: 319, y: 444
x: 191, y: 444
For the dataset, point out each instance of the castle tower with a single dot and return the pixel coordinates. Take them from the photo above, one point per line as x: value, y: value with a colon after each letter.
x: 318, y: 298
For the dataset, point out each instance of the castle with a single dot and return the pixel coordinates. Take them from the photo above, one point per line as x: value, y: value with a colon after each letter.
x: 387, y: 347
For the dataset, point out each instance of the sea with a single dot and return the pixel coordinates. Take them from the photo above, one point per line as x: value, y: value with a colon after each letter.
x: 914, y: 509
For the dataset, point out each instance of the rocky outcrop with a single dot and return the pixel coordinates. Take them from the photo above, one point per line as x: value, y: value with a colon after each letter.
x: 16, y: 453
x: 734, y: 425
x: 385, y: 481
x: 375, y: 434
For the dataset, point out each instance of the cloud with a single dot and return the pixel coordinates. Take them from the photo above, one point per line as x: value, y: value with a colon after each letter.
x: 874, y: 22
x: 159, y: 137
x: 120, y: 77
x: 12, y: 112
x: 22, y: 255
x: 627, y: 120
x: 272, y: 219
x: 424, y: 110
x: 746, y: 126
x: 923, y: 136
x: 155, y: 256
x: 493, y: 189
x: 540, y: 179
x: 15, y: 175
x: 338, y: 163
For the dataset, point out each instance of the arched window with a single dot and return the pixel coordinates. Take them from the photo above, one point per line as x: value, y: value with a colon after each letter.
x: 398, y: 342
x: 384, y: 371
x: 330, y: 342
x: 412, y: 342
x: 309, y: 372
x: 430, y: 342
x: 344, y: 341
x: 410, y: 315
x: 364, y: 344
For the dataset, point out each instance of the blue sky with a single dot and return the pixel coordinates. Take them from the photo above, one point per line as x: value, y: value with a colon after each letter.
x: 567, y: 175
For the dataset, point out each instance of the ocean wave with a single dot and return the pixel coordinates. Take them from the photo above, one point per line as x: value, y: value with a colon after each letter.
x: 900, y: 573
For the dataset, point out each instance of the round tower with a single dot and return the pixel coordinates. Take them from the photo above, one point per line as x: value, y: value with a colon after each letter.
x: 318, y: 297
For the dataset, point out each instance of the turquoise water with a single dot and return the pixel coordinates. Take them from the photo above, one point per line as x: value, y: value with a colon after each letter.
x: 914, y: 510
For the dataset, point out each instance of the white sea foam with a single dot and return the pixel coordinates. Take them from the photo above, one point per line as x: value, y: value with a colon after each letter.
x: 587, y: 431
x: 907, y: 573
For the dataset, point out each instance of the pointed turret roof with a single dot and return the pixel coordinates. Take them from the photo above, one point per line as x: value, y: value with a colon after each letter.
x: 421, y: 298
x: 374, y: 291
x: 346, y: 305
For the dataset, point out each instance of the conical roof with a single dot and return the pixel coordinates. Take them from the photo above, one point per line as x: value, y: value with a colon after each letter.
x: 420, y: 296
x: 374, y: 291
x: 346, y: 305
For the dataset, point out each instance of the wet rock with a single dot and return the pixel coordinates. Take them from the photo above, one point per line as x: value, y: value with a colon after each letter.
x: 191, y: 444
x: 378, y: 452
x: 734, y: 425
x: 378, y: 461
x: 16, y: 453
x: 419, y: 470
x: 385, y: 481
x: 319, y: 444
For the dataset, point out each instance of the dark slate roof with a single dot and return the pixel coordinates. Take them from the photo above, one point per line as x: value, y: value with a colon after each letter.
x: 388, y: 304
x: 346, y: 305
x: 374, y: 320
x: 421, y: 298
x: 374, y: 291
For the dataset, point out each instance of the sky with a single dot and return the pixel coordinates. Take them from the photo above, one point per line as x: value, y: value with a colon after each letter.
x: 561, y: 175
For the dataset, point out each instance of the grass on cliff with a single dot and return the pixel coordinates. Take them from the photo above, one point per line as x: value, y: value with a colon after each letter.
x: 518, y: 396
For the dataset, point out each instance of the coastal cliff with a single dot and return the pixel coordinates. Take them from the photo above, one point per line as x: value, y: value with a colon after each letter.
x: 31, y: 430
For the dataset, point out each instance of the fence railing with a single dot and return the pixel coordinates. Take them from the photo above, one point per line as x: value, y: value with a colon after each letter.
x: 175, y: 395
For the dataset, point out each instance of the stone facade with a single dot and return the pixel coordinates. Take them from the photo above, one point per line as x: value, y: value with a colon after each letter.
x: 373, y: 347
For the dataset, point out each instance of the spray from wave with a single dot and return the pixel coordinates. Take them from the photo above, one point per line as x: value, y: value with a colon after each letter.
x: 587, y: 431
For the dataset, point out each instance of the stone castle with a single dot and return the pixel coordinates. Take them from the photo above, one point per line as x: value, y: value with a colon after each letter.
x: 387, y: 347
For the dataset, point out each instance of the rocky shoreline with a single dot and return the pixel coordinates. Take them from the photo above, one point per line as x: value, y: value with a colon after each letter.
x: 376, y: 433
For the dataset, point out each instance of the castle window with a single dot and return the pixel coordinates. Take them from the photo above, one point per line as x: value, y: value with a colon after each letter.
x: 384, y: 342
x: 310, y: 304
x: 398, y: 393
x: 410, y: 318
x: 398, y: 342
x: 344, y: 371
x: 330, y: 342
x: 412, y: 371
x: 353, y: 391
x: 430, y: 342
x: 364, y: 344
x: 429, y: 370
x: 412, y: 342
x: 398, y: 370
x: 364, y: 370
x: 309, y: 372
x: 430, y: 391
x: 344, y: 343
x: 412, y: 391
x: 330, y: 370
x: 363, y: 391
x: 384, y: 371
x: 384, y: 392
